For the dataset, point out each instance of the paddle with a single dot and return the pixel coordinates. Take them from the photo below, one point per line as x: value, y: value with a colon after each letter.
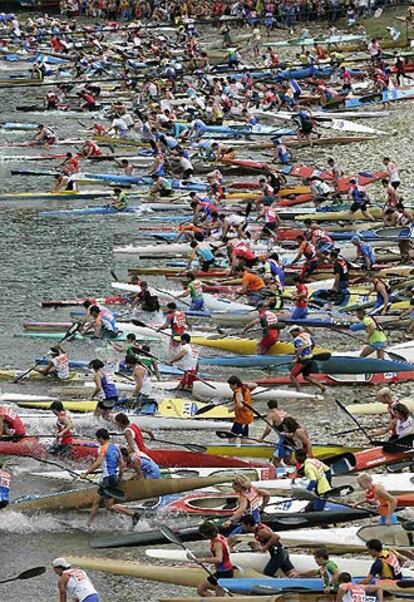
x: 190, y: 446
x: 175, y: 539
x: 230, y: 435
x: 28, y: 574
x: 70, y: 332
x: 115, y: 493
x: 394, y: 356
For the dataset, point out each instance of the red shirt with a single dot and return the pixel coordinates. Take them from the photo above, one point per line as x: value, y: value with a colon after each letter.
x: 12, y: 421
x: 300, y: 290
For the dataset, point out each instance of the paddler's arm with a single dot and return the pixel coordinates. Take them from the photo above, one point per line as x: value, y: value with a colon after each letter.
x: 130, y: 441
x: 384, y: 293
x: 306, y: 441
x: 250, y: 325
x: 265, y: 495
x: 267, y: 429
x: 95, y: 465
x: 377, y: 590
x: 185, y: 292
x: 236, y: 516
x: 62, y: 585
x: 385, y: 429
x: 393, y: 502
x: 273, y: 540
x: 98, y: 385
x: 121, y: 466
x: 147, y: 431
x: 178, y: 357
x: 117, y: 346
x: 297, y: 258
x: 138, y: 378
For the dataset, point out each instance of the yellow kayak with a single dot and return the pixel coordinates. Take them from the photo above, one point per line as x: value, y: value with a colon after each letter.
x: 365, y: 409
x: 266, y: 450
x: 246, y: 346
x: 12, y: 374
x: 333, y: 216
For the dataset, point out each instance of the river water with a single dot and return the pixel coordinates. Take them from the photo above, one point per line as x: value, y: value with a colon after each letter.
x: 45, y: 258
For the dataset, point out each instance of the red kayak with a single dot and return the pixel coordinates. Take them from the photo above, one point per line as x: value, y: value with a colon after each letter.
x: 165, y: 458
x: 32, y: 447
x: 343, y: 379
x: 109, y: 300
x: 365, y: 459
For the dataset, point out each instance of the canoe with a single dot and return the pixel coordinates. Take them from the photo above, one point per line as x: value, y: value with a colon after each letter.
x: 366, y: 409
x: 220, y: 390
x: 136, y: 489
x: 258, y: 561
x: 265, y: 450
x: 276, y: 522
x: 31, y: 446
x: 186, y: 576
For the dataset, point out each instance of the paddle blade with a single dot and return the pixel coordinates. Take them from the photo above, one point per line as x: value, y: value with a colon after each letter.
x: 225, y: 435
x: 116, y: 494
x: 205, y: 409
x: 171, y: 536
x: 34, y: 572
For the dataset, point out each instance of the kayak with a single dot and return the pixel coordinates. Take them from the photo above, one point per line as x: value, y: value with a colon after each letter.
x: 347, y: 379
x: 219, y: 390
x: 333, y: 39
x: 281, y: 523
x: 246, y: 585
x: 241, y: 129
x: 244, y: 346
x: 104, y: 210
x: 108, y: 300
x: 257, y: 561
x: 335, y: 216
x: 335, y: 365
x: 266, y: 450
x: 10, y: 374
x: 380, y: 97
x: 31, y: 446
x: 135, y: 489
x: 375, y: 407
x: 16, y: 397
x: 362, y: 460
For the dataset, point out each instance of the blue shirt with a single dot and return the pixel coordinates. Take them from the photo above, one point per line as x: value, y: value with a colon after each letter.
x: 108, y: 385
x: 112, y: 455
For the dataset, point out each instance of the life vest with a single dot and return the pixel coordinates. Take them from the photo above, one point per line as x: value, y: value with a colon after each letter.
x: 13, y: 422
x: 138, y: 438
x: 254, y: 499
x: 177, y: 322
x: 225, y: 564
x: 391, y: 568
x: 267, y: 320
x: 67, y: 438
x: 354, y: 592
x: 308, y: 250
x: 307, y: 344
x: 243, y: 415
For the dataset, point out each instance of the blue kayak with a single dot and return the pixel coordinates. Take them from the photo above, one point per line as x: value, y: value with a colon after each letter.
x: 10, y: 125
x: 147, y: 181
x: 392, y: 233
x: 247, y: 585
x: 103, y: 210
x: 379, y: 97
x: 338, y: 364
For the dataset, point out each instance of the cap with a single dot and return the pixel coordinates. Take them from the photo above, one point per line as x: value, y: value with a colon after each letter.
x: 60, y: 562
x: 294, y: 327
x: 356, y: 239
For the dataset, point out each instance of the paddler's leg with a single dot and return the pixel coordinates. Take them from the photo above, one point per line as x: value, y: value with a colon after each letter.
x: 366, y: 351
x: 94, y: 510
x: 367, y: 214
x: 294, y: 373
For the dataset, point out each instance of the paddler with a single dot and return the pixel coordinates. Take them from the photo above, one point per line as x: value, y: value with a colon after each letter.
x: 119, y: 200
x: 242, y: 401
x: 382, y: 289
x: 267, y: 541
x: 274, y: 418
x: 220, y: 557
x: 63, y: 429
x: 252, y: 284
x: 104, y: 387
x: 70, y: 165
x: 301, y: 299
x: 364, y: 252
x: 177, y: 321
x: 307, y: 250
x: 90, y: 149
x: 328, y: 571
x: 270, y: 328
x: 303, y: 118
x: 74, y: 582
x: 44, y: 135
x: 112, y: 463
x: 401, y: 429
x: 203, y: 252
x: 140, y: 373
x: 5, y: 482
x: 385, y: 396
x: 251, y: 500
x: 51, y: 100
x: 377, y: 495
x: 99, y: 320
x: 187, y: 357
x: 377, y: 339
x: 360, y: 201
x: 292, y: 437
x: 318, y: 474
x: 135, y: 447
x: 149, y: 302
x: 304, y: 345
x: 193, y: 289
x: 11, y: 425
x: 356, y: 592
x: 58, y: 365
x: 387, y: 563
x: 341, y: 269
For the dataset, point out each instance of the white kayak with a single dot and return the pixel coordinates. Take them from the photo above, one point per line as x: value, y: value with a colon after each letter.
x: 13, y: 397
x: 344, y: 538
x: 366, y: 409
x: 357, y: 567
x: 223, y: 391
x: 43, y: 419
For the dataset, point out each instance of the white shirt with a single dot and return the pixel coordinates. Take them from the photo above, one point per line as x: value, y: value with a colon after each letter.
x: 79, y: 585
x: 61, y: 365
x: 190, y: 360
x: 393, y: 173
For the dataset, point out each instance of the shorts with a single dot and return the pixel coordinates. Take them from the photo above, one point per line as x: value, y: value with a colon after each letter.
x: 394, y: 519
x: 150, y: 470
x: 111, y: 482
x: 270, y: 226
x: 197, y: 304
x: 165, y: 193
x: 3, y: 504
x: 213, y: 579
x: 238, y: 429
x: 206, y: 265
x: 279, y: 560
x: 188, y: 379
x: 254, y: 298
x: 188, y: 173
x: 92, y: 598
x: 299, y: 313
x: 301, y: 367
x: 268, y: 341
x: 378, y: 345
x: 309, y: 267
x: 282, y: 449
x: 107, y: 403
x: 59, y: 449
x: 395, y: 185
x: 306, y: 127
x: 358, y: 206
